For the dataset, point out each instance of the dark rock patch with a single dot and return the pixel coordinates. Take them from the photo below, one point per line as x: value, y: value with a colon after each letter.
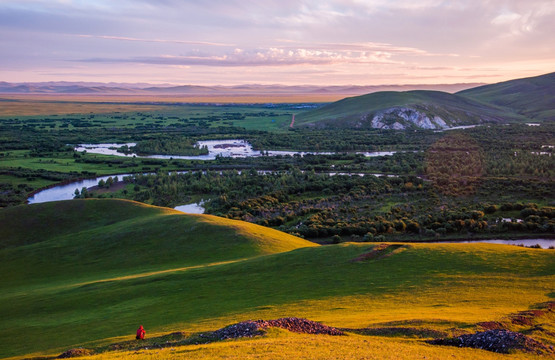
x: 301, y: 326
x: 500, y: 341
x: 243, y: 329
x: 528, y: 317
x: 75, y: 353
x: 380, y: 251
x: 252, y: 328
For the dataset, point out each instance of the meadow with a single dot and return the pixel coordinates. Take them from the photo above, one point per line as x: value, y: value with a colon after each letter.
x: 88, y: 277
x: 87, y: 272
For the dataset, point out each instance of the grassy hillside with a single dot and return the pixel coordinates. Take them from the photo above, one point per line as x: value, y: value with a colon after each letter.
x: 532, y: 97
x: 203, y: 273
x: 103, y: 238
x: 279, y: 345
x: 454, y: 109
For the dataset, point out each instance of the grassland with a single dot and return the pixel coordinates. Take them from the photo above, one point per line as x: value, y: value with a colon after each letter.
x: 283, y: 345
x: 87, y: 272
x: 71, y: 114
x: 532, y: 97
x: 455, y: 109
x: 31, y: 105
x: 13, y: 105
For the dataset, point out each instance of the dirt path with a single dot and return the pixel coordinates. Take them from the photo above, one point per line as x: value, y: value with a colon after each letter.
x: 292, y: 121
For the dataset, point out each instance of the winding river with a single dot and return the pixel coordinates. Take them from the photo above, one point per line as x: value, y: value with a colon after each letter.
x: 67, y: 191
x: 226, y: 148
x: 229, y: 148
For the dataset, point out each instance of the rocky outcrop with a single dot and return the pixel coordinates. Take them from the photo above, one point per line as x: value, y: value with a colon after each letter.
x: 303, y: 326
x: 77, y: 352
x: 252, y: 328
x: 400, y: 118
x: 500, y: 341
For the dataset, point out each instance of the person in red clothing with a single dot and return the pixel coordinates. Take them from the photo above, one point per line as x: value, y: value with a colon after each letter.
x: 140, y: 333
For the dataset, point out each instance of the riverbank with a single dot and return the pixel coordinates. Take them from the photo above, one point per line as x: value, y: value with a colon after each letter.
x: 526, y: 239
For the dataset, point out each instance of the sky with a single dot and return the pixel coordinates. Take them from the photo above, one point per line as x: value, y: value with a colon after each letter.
x: 317, y: 42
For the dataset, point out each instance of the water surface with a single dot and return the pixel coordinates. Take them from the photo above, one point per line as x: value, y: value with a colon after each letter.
x: 225, y: 148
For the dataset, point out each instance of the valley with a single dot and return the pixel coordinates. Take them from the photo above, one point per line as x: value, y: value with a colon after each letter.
x: 337, y: 212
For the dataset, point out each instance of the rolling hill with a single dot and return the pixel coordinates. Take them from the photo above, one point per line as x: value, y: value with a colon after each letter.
x: 404, y: 110
x: 517, y: 100
x: 129, y: 237
x: 87, y: 272
x: 532, y: 97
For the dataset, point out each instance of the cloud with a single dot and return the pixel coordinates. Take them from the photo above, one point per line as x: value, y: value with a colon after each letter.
x: 275, y: 56
x: 374, y: 47
x: 521, y: 21
x: 124, y: 38
x: 506, y: 18
x: 285, y: 40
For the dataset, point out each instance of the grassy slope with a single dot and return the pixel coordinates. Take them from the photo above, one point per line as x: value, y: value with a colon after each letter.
x: 67, y: 295
x: 286, y: 346
x: 354, y: 107
x: 95, y: 238
x: 532, y: 97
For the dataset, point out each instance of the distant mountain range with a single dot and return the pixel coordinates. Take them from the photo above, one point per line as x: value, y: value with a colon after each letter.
x: 385, y: 106
x: 94, y: 88
x: 529, y: 99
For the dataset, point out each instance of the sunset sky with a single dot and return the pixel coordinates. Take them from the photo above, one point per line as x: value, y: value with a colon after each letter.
x: 321, y: 42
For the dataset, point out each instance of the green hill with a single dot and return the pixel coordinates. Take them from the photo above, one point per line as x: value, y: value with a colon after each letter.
x: 86, y: 273
x: 401, y: 110
x: 103, y: 238
x: 533, y: 97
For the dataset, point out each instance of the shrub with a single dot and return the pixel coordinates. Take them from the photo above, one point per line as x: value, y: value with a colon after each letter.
x: 429, y: 232
x: 368, y: 237
x: 490, y: 209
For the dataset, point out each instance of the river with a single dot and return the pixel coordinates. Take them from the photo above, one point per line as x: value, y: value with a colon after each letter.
x: 66, y: 192
x: 228, y: 148
x: 225, y: 148
x: 544, y: 243
x: 194, y: 208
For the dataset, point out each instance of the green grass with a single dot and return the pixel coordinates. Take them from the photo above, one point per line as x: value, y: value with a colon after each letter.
x: 532, y: 97
x: 122, y: 236
x: 34, y: 183
x: 447, y: 106
x: 80, y: 273
x: 64, y: 163
x: 252, y: 117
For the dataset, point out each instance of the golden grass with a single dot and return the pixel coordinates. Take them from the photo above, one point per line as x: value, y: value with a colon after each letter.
x: 267, y: 240
x: 33, y: 106
x: 21, y: 105
x: 280, y: 344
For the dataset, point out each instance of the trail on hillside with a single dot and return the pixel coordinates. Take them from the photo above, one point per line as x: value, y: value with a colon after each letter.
x: 46, y: 290
x: 292, y: 121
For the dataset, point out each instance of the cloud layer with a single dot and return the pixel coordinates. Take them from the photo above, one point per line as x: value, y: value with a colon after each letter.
x: 270, y: 41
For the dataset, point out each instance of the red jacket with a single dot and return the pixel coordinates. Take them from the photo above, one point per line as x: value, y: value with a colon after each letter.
x: 141, y: 332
